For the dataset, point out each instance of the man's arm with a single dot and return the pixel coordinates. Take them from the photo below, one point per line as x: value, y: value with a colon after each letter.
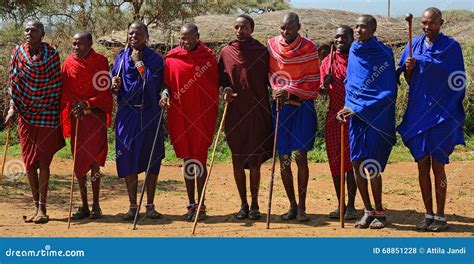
x: 409, y: 66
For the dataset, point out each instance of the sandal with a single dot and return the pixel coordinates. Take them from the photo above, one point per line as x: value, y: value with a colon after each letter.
x: 151, y: 212
x: 96, y: 212
x: 29, y: 219
x: 243, y: 213
x: 380, y: 221
x: 335, y: 214
x: 439, y: 224
x: 255, y: 214
x: 81, y: 213
x: 202, y: 213
x: 290, y: 215
x: 41, y: 218
x: 301, y: 216
x: 366, y: 220
x: 351, y: 213
x: 130, y: 215
x: 191, y: 211
x: 425, y: 223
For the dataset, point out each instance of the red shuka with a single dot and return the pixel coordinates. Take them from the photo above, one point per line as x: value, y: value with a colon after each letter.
x: 337, y: 94
x: 194, y: 83
x: 87, y: 79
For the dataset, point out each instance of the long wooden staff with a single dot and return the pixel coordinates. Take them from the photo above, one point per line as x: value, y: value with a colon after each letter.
x: 201, y: 200
x: 330, y: 59
x: 123, y: 59
x: 409, y: 19
x: 72, y: 174
x: 148, y: 170
x: 7, y: 142
x: 272, y: 176
x: 342, y: 183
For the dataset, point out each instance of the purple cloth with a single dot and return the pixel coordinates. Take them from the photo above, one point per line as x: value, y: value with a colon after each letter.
x: 138, y: 113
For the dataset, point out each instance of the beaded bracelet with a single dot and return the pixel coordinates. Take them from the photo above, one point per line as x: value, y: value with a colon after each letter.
x: 140, y: 67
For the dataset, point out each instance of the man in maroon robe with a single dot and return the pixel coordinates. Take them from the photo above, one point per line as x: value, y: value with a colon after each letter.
x: 243, y: 71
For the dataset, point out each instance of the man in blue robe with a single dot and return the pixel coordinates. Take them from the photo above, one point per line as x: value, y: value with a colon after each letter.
x: 371, y: 93
x: 138, y: 88
x: 434, y: 119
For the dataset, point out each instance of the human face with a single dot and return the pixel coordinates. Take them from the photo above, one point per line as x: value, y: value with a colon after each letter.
x: 343, y: 40
x: 431, y: 24
x: 364, y: 30
x: 137, y: 37
x: 81, y: 45
x: 189, y: 39
x: 33, y: 33
x: 289, y: 30
x: 242, y: 28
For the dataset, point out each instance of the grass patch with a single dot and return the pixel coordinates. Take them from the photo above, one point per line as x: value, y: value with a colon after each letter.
x: 223, y: 153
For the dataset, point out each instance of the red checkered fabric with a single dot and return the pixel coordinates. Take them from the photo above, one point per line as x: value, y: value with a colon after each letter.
x: 35, y: 85
x: 332, y: 131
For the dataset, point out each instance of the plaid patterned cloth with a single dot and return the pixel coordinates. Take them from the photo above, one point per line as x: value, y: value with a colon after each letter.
x: 332, y: 131
x: 35, y: 85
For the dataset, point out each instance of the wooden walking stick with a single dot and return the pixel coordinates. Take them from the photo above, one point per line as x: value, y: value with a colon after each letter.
x: 330, y: 59
x: 323, y: 87
x: 201, y: 200
x: 72, y: 174
x: 7, y: 141
x: 409, y: 19
x: 342, y: 194
x: 272, y: 176
x: 148, y: 170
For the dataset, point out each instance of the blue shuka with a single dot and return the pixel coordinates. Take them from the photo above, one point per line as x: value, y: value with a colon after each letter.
x: 434, y: 118
x: 297, y: 127
x: 138, y: 114
x: 371, y: 92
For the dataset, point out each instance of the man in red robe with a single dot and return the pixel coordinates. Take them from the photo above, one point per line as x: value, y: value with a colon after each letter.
x: 87, y: 103
x: 333, y: 73
x: 193, y: 96
x: 35, y: 90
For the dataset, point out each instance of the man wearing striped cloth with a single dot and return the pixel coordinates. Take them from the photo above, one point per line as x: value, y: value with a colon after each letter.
x: 35, y: 90
x: 294, y: 77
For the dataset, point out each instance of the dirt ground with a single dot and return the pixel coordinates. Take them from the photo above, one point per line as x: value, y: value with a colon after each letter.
x: 402, y: 199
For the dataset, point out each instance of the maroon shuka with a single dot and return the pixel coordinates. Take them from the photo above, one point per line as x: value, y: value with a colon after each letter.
x: 243, y: 65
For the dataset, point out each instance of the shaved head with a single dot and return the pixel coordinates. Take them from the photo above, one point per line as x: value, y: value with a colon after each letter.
x: 189, y: 37
x: 290, y: 26
x: 82, y: 43
x: 291, y: 18
x: 36, y: 24
x: 189, y: 28
x: 85, y: 35
x: 249, y: 19
x: 370, y: 21
x: 431, y: 22
x: 140, y: 25
x: 34, y: 33
x: 365, y: 27
x: 436, y: 13
x: 346, y: 29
